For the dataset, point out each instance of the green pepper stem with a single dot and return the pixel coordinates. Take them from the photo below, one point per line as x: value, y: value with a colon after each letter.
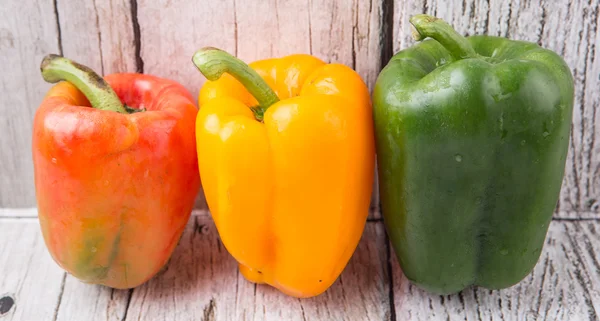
x: 98, y: 92
x: 432, y: 27
x: 213, y: 63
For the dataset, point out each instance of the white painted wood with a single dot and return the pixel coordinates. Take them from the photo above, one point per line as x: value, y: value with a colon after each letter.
x: 82, y: 301
x: 167, y: 44
x: 113, y: 36
x: 361, y: 292
x: 27, y: 33
x: 572, y: 215
x: 18, y: 213
x: 345, y: 32
x: 335, y: 32
x: 579, y: 45
x: 27, y: 272
x: 202, y: 282
x: 32, y: 212
x: 568, y: 27
x: 563, y: 286
x: 199, y: 271
x: 98, y: 34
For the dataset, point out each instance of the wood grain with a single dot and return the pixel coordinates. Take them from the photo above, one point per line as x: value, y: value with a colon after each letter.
x: 578, y: 44
x: 15, y: 213
x: 113, y: 36
x: 568, y: 27
x: 167, y: 44
x: 82, y: 301
x: 201, y: 282
x: 563, y: 286
x: 348, y: 33
x: 27, y: 273
x: 98, y: 34
x: 28, y: 32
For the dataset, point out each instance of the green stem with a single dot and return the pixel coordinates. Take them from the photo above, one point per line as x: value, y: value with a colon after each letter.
x: 213, y: 63
x: 432, y: 27
x: 99, y: 93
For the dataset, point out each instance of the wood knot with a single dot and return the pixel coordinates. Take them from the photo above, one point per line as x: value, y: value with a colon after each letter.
x: 209, y: 311
x: 6, y: 303
x: 202, y: 229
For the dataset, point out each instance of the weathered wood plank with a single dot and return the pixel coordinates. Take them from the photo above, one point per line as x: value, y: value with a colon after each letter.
x: 27, y: 32
x: 94, y: 32
x: 82, y: 301
x: 564, y: 285
x: 567, y: 27
x: 28, y: 213
x: 99, y: 34
x: 578, y: 44
x: 32, y: 213
x: 345, y: 33
x: 573, y: 215
x: 167, y: 44
x: 361, y: 292
x: 103, y: 35
x: 200, y: 278
x: 202, y: 281
x: 348, y: 33
x: 18, y: 213
x: 27, y: 273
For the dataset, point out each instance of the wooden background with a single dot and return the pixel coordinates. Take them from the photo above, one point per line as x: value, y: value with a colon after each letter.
x: 159, y: 37
x: 201, y: 282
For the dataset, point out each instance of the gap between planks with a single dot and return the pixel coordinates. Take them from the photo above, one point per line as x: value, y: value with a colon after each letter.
x: 31, y: 213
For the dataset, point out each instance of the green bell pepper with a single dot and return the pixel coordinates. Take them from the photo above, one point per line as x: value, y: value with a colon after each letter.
x: 472, y: 137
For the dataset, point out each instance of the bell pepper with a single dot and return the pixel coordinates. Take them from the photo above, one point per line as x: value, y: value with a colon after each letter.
x: 287, y: 181
x: 115, y: 171
x: 472, y: 136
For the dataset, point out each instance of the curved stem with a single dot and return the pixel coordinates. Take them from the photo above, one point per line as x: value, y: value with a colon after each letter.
x: 213, y: 63
x: 432, y: 27
x: 99, y: 93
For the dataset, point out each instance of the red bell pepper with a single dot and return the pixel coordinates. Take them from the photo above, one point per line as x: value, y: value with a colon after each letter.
x: 116, y: 171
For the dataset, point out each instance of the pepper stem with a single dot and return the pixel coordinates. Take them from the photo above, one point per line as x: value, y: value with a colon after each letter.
x: 432, y: 27
x: 98, y: 92
x: 213, y: 63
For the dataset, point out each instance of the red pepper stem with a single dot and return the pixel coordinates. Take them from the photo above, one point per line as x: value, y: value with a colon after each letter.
x: 98, y: 92
x: 432, y: 27
x: 213, y: 63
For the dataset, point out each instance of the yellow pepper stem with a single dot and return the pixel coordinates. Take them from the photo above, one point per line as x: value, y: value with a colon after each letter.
x: 213, y: 63
x: 55, y: 68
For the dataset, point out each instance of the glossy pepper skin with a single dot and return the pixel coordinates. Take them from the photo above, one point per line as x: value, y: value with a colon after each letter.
x: 472, y: 136
x: 114, y: 190
x: 289, y: 195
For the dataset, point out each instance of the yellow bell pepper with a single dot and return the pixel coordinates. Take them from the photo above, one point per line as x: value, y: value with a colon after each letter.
x: 288, y: 182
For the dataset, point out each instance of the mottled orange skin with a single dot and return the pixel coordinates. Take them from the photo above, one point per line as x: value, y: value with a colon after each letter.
x: 115, y: 190
x: 289, y: 196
